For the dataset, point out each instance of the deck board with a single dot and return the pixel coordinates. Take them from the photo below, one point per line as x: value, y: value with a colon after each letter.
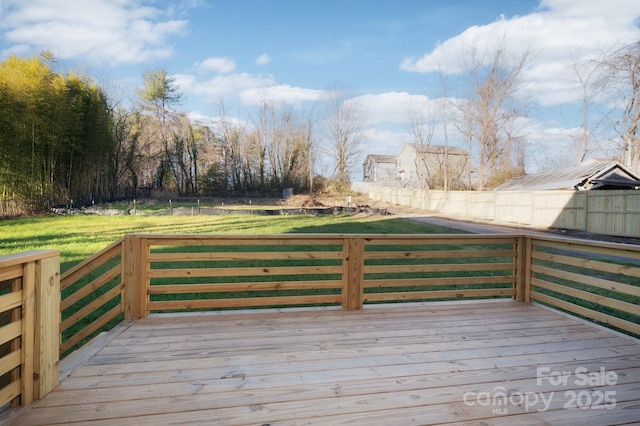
x: 387, y: 364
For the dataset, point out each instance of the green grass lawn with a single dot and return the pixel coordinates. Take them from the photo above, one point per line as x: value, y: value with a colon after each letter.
x: 79, y: 237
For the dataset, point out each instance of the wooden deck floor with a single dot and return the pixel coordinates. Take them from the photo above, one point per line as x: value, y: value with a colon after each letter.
x: 394, y: 364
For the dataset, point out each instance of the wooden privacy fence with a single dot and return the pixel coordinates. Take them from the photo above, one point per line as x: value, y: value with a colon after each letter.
x: 142, y: 274
x: 609, y: 212
x: 29, y: 321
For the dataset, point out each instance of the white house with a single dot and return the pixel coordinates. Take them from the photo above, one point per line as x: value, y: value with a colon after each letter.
x: 426, y: 165
x: 379, y: 168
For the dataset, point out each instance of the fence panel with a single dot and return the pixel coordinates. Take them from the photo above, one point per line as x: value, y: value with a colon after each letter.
x: 593, y: 280
x: 595, y: 211
x: 412, y: 268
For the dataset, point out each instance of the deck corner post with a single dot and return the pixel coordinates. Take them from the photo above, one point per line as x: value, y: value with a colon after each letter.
x: 353, y: 276
x: 46, y: 349
x: 523, y: 269
x: 134, y: 280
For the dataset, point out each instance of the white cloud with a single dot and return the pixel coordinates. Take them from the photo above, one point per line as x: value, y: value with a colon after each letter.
x: 219, y: 65
x: 123, y: 31
x: 557, y: 34
x: 281, y: 94
x: 263, y: 59
x: 393, y: 107
x: 222, y: 86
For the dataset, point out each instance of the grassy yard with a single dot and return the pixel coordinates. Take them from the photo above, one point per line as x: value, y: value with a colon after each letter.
x: 78, y: 237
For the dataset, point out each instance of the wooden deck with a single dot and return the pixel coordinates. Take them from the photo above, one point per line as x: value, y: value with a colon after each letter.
x: 472, y: 363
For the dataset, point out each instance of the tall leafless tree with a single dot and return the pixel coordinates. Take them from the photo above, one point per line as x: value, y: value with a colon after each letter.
x: 422, y: 125
x: 624, y: 70
x: 589, y: 78
x: 344, y: 124
x: 488, y: 117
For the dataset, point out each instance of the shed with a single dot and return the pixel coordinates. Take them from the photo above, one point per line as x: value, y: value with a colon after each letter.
x: 592, y: 174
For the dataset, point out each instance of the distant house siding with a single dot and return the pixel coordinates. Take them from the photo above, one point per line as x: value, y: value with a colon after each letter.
x: 423, y: 166
x: 377, y: 168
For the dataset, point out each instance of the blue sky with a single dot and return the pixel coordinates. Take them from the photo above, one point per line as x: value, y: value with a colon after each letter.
x: 383, y: 52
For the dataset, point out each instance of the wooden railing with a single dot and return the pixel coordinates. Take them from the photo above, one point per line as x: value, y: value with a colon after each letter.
x: 91, y: 295
x: 593, y: 280
x: 29, y: 321
x: 142, y: 274
x: 420, y: 267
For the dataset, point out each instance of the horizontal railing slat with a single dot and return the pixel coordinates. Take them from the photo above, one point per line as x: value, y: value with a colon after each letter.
x: 231, y: 256
x: 243, y: 287
x: 588, y: 280
x: 242, y: 240
x: 411, y: 282
x: 243, y: 302
x: 90, y: 287
x: 10, y: 301
x: 244, y: 272
x: 9, y: 392
x: 421, y: 239
x: 588, y: 313
x: 589, y: 264
x: 590, y: 297
x: 11, y: 272
x: 438, y: 294
x: 439, y: 254
x: 94, y: 262
x: 89, y: 308
x: 10, y: 361
x: 10, y: 331
x: 438, y: 267
x: 586, y: 246
x: 89, y: 329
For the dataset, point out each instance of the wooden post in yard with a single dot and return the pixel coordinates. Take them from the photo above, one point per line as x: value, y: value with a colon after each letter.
x: 353, y: 275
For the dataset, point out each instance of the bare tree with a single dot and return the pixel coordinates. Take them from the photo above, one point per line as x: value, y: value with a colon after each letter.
x: 421, y: 122
x: 488, y: 118
x: 624, y: 71
x: 345, y: 127
x: 588, y: 76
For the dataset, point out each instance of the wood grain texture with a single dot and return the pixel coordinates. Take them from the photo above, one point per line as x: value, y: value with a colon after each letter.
x: 395, y: 364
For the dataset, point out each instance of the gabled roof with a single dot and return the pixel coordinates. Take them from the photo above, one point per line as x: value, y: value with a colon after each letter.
x: 437, y: 149
x: 378, y: 158
x: 592, y: 174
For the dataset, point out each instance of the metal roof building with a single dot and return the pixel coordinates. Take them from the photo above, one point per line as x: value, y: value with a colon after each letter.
x: 592, y: 174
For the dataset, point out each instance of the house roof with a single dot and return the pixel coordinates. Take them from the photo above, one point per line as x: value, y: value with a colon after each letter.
x: 592, y: 174
x: 437, y: 149
x: 378, y: 158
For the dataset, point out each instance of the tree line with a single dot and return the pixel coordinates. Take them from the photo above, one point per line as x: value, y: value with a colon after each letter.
x: 62, y: 139
x: 55, y: 132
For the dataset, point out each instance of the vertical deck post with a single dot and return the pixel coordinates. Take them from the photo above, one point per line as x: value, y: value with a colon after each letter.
x: 47, y: 326
x: 523, y: 269
x: 134, y: 279
x: 28, y: 332
x: 528, y: 266
x: 353, y: 275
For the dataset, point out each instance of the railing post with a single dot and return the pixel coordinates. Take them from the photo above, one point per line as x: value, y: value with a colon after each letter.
x: 353, y: 275
x: 47, y: 327
x: 134, y: 263
x: 523, y: 269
